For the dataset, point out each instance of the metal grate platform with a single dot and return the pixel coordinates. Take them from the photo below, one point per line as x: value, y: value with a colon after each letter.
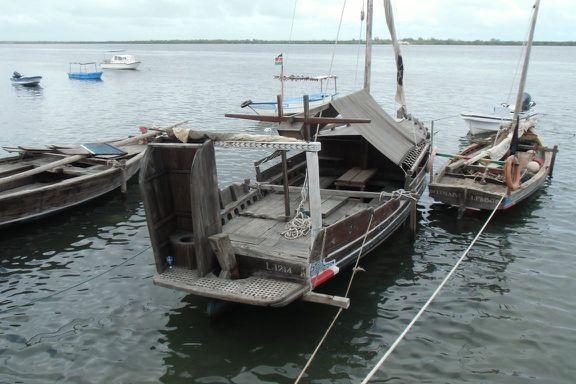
x: 252, y: 290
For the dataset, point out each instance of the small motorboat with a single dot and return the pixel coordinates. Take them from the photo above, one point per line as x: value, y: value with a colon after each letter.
x: 120, y: 62
x: 84, y: 71
x: 489, y: 123
x: 25, y: 81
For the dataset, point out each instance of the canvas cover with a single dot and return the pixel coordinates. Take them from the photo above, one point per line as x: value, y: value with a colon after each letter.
x: 393, y: 138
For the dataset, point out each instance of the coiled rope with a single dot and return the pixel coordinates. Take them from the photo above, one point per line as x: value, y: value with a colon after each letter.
x: 421, y: 311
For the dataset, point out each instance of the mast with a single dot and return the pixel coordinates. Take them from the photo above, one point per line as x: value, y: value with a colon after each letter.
x: 368, y: 53
x: 518, y: 105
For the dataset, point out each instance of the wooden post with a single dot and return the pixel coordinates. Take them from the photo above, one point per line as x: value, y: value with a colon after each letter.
x: 554, y: 152
x: 222, y: 247
x: 279, y: 101
x: 413, y: 219
x: 314, y: 193
x: 430, y: 159
x: 286, y: 186
x: 306, y: 115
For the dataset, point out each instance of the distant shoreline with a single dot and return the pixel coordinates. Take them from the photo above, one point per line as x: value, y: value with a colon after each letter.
x: 408, y: 41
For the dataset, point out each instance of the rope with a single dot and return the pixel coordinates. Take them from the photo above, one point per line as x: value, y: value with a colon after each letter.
x: 354, y: 270
x: 407, y: 329
x: 76, y: 285
x: 299, y: 226
x: 337, y: 37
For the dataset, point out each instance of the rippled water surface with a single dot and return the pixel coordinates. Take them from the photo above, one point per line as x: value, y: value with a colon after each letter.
x: 77, y: 303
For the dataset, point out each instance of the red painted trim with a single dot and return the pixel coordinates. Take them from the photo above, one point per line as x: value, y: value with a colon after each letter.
x: 324, y: 276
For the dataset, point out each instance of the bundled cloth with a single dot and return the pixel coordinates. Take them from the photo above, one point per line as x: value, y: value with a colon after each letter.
x: 185, y: 134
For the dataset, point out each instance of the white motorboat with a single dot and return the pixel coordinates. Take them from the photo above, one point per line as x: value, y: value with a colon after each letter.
x: 486, y: 123
x: 120, y: 61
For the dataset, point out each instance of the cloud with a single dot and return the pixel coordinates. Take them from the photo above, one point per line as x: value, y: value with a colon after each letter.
x: 267, y: 19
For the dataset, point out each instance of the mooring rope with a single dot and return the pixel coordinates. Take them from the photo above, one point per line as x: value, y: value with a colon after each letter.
x: 76, y: 285
x: 421, y: 311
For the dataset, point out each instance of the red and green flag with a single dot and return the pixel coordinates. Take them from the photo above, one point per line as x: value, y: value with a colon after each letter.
x: 279, y: 60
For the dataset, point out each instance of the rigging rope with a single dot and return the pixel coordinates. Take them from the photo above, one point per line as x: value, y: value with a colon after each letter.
x: 76, y: 285
x: 337, y: 37
x: 354, y: 270
x: 421, y: 311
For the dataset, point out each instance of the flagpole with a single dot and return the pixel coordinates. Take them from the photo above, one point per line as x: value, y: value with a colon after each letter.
x: 282, y: 80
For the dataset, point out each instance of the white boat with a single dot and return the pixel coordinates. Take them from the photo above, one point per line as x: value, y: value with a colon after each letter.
x: 294, y: 106
x: 487, y: 123
x: 118, y: 61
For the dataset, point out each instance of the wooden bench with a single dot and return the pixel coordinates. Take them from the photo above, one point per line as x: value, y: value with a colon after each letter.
x: 355, y: 178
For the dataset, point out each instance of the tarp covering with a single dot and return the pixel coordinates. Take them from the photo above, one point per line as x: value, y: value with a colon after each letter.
x: 393, y: 138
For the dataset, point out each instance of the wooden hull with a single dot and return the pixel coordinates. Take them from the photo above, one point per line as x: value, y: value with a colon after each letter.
x: 454, y: 187
x: 272, y: 270
x: 53, y: 191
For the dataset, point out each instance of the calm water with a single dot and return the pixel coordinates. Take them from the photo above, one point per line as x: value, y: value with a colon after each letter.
x: 506, y: 316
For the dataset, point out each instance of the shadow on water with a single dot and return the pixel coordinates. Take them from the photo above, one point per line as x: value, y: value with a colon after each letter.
x: 22, y: 246
x: 272, y: 335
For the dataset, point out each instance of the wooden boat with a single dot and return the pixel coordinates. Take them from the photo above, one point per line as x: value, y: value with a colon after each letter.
x: 353, y: 179
x: 25, y: 81
x: 503, y: 170
x: 41, y: 181
x: 295, y: 105
x: 84, y: 71
x: 120, y: 61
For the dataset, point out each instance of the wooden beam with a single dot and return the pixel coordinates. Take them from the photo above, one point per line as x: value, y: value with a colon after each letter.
x: 320, y: 298
x: 222, y: 247
x: 297, y: 119
x: 314, y: 194
x: 326, y: 192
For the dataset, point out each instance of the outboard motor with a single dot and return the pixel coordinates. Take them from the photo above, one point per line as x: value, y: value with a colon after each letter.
x: 17, y: 75
x: 527, y: 102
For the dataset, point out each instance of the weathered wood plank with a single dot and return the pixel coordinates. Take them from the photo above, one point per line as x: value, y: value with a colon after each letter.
x: 222, y: 246
x: 205, y: 202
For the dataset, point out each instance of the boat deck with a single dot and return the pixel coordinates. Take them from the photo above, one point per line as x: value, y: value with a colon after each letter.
x: 258, y: 231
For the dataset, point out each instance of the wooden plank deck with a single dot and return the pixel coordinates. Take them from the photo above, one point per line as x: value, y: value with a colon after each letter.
x: 257, y: 236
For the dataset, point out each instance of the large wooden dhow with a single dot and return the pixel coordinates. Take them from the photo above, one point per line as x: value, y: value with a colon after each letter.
x: 37, y: 182
x: 339, y: 180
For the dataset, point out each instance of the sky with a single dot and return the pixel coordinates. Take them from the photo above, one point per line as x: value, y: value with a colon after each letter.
x: 122, y: 20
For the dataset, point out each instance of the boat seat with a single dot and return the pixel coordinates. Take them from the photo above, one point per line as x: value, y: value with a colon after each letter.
x: 355, y: 178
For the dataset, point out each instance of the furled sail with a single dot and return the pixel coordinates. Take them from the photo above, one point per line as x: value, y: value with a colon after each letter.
x: 400, y: 99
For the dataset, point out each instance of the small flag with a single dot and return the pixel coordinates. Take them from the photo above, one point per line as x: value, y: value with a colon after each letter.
x: 279, y: 60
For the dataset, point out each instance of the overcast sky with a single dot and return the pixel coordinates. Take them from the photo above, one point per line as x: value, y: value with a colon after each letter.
x: 100, y: 20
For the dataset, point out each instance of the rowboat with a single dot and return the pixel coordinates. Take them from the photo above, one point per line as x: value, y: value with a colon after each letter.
x: 37, y: 182
x: 335, y: 184
x: 25, y: 81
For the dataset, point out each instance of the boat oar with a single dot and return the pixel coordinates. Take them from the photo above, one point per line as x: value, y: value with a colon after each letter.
x: 42, y: 168
x: 77, y: 157
x: 456, y: 156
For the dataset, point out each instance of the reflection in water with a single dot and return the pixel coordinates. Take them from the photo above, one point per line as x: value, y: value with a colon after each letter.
x: 259, y: 344
x: 28, y: 92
